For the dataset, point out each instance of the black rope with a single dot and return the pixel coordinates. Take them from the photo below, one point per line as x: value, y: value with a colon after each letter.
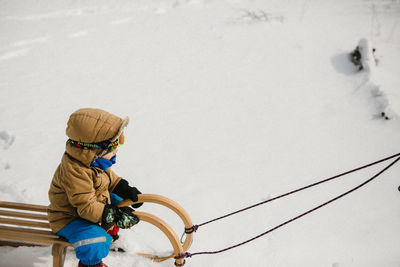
x: 188, y: 255
x: 295, y: 191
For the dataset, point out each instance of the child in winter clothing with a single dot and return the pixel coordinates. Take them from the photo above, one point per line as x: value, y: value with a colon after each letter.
x: 84, y: 191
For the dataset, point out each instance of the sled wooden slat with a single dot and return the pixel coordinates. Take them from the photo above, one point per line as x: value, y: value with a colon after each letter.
x: 35, y: 216
x: 10, y: 229
x: 32, y: 238
x: 22, y: 206
x: 24, y: 223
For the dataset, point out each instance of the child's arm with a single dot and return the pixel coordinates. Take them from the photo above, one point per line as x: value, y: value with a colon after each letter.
x: 122, y: 189
x: 114, y: 179
x: 81, y: 194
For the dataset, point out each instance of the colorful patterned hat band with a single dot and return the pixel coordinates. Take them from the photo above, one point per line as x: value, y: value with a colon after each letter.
x: 89, y: 146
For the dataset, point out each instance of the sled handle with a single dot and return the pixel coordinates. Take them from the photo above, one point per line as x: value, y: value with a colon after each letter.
x: 167, y: 230
x: 164, y: 201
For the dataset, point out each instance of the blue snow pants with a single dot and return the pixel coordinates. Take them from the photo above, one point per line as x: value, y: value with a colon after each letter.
x: 90, y: 241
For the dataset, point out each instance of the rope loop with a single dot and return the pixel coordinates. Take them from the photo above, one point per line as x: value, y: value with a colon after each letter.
x: 180, y: 264
x: 191, y: 229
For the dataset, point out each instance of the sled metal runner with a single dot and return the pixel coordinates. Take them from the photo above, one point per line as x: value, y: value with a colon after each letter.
x: 24, y: 224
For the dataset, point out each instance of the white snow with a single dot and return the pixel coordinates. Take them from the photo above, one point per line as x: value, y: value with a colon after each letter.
x: 232, y: 102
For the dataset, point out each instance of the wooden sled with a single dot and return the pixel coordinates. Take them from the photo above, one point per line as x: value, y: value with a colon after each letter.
x: 21, y: 228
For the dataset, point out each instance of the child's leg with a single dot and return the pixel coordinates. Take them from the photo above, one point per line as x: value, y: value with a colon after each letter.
x: 113, y: 232
x: 90, y: 241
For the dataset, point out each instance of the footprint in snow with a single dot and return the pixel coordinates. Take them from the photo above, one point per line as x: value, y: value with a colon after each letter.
x: 6, y: 140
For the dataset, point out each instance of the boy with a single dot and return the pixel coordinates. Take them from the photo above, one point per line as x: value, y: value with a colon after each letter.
x: 84, y: 191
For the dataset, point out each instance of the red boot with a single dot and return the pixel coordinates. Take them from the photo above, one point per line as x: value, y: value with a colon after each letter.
x: 115, y: 245
x: 114, y: 231
x: 101, y: 264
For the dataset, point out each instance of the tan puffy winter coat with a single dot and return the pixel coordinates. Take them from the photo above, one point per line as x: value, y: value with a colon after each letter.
x: 77, y: 189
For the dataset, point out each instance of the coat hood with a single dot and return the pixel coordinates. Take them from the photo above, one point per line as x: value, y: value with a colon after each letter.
x: 91, y: 125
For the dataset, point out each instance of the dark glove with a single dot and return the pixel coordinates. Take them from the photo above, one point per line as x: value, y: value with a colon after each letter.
x: 123, y: 190
x: 123, y: 217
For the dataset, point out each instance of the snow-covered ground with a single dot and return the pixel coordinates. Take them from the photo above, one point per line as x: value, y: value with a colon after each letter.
x: 232, y: 102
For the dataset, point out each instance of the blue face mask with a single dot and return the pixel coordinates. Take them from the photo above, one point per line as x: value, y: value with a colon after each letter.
x: 104, y: 164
